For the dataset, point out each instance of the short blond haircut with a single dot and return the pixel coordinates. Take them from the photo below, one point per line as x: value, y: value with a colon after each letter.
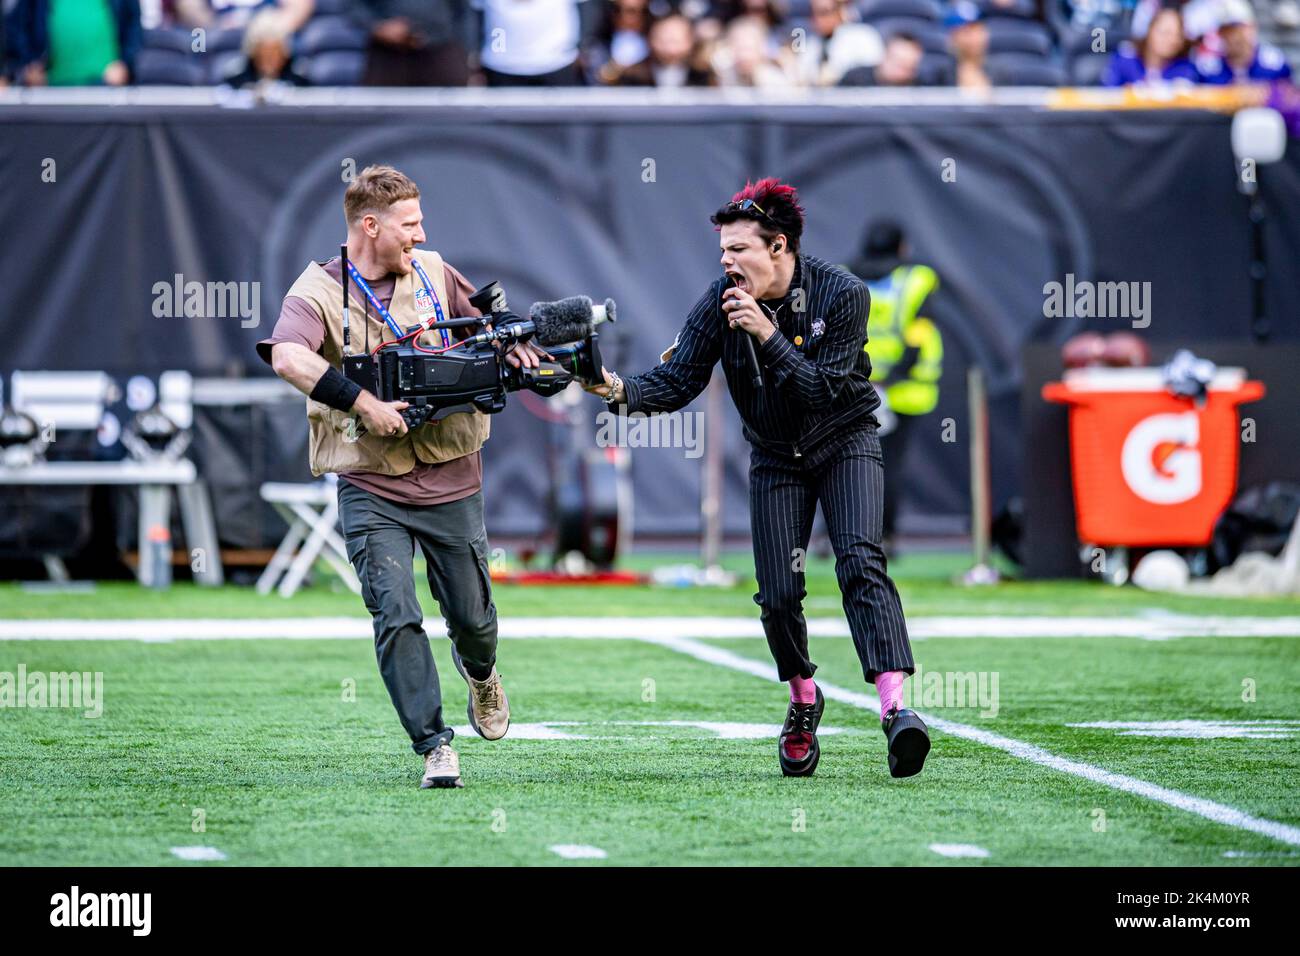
x: 268, y: 26
x: 374, y: 190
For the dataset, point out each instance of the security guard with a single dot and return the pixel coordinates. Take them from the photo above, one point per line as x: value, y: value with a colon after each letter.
x: 906, y: 348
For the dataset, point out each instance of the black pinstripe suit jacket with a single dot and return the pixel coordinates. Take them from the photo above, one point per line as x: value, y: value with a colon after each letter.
x: 815, y: 371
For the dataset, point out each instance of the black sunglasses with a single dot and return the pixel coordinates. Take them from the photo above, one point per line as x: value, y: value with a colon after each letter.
x: 747, y: 204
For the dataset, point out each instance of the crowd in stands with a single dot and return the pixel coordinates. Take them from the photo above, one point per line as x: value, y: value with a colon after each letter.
x: 771, y: 44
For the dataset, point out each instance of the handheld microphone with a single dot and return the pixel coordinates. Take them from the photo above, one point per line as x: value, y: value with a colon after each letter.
x: 755, y: 370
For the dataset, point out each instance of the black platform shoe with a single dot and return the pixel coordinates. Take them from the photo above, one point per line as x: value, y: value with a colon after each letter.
x: 800, y: 732
x: 909, y: 742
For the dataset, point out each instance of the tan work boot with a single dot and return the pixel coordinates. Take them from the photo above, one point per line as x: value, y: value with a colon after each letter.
x: 489, y: 711
x: 441, y: 768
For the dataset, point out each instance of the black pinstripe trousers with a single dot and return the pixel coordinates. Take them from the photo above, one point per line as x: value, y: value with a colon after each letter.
x: 846, y: 475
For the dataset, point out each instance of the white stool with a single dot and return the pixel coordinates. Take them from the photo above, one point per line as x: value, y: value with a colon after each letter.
x: 312, y: 512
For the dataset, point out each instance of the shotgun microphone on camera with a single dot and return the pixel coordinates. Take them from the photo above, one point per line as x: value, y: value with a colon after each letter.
x: 569, y: 319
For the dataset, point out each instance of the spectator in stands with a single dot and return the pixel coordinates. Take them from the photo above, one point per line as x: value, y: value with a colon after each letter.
x: 154, y: 14
x: 622, y: 38
x: 1286, y: 14
x: 415, y: 42
x: 266, y: 54
x: 672, y: 61
x: 534, y: 42
x: 1160, y: 56
x: 1200, y: 17
x: 1244, y: 58
x: 900, y: 65
x: 968, y: 40
x: 770, y: 12
x: 742, y: 58
x: 75, y: 42
x: 229, y: 14
x: 1084, y: 16
x: 835, y: 45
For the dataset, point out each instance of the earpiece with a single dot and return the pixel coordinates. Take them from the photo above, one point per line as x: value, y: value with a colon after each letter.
x: 777, y: 248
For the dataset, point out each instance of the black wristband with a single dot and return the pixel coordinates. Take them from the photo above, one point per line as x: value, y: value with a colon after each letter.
x: 335, y: 391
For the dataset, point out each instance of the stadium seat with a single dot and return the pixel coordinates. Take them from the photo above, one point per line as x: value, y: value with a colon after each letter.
x: 333, y: 68
x: 1019, y: 36
x: 179, y: 40
x: 168, y: 68
x: 1083, y: 65
x: 224, y: 65
x: 330, y: 34
x: 1086, y: 69
x: 1021, y: 9
x: 871, y: 10
x: 222, y: 41
x: 1024, y: 69
x: 937, y: 69
x: 932, y: 37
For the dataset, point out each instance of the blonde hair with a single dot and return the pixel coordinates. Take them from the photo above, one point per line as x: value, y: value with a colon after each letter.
x: 268, y: 26
x: 374, y: 190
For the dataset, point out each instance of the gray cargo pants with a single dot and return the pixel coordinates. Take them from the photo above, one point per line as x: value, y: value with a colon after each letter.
x: 381, y: 536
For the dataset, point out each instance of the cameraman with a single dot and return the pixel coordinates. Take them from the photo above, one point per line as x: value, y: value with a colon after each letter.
x: 400, y: 488
x: 813, y: 438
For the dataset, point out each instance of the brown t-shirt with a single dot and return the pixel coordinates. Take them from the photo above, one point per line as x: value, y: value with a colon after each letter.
x: 425, y: 484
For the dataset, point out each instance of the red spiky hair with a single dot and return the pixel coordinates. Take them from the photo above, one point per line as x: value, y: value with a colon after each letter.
x: 771, y: 192
x: 780, y: 202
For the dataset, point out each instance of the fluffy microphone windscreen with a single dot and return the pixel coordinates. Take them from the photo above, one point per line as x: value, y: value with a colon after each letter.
x: 565, y: 320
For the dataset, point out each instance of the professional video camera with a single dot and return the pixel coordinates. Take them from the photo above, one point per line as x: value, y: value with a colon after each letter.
x: 472, y: 372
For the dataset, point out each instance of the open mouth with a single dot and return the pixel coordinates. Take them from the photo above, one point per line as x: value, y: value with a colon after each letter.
x: 738, y: 280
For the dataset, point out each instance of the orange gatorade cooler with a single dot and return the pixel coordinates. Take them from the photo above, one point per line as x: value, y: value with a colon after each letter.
x: 1151, y: 468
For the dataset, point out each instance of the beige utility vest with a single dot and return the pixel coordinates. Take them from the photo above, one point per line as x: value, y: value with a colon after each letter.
x: 335, y: 445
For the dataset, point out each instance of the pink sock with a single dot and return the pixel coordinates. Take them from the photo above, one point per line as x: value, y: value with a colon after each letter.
x: 889, y: 684
x: 803, y: 690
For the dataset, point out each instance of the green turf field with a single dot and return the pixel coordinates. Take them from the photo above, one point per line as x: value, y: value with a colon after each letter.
x: 288, y: 751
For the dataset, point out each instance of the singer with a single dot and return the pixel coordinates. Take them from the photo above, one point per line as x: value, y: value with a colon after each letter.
x: 400, y: 487
x: 790, y: 331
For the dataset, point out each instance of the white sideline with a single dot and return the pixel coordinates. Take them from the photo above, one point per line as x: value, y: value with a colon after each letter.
x: 1215, y: 812
x: 1155, y: 628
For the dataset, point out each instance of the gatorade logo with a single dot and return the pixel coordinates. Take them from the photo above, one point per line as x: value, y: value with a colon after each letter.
x: 1160, y: 460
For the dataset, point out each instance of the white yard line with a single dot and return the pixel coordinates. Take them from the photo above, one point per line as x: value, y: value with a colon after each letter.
x: 957, y: 850
x: 1209, y: 809
x: 578, y: 851
x: 198, y: 853
x: 642, y: 628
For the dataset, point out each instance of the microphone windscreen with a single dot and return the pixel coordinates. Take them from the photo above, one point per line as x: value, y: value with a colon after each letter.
x: 565, y: 320
x: 604, y: 313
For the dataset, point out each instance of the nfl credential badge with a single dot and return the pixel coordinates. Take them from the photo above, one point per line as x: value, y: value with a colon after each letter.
x: 423, y: 301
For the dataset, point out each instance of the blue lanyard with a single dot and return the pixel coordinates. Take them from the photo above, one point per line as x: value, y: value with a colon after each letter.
x: 384, y: 313
x: 437, y: 303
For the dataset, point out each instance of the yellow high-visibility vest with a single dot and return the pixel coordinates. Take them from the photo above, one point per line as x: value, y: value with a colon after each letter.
x: 895, y: 325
